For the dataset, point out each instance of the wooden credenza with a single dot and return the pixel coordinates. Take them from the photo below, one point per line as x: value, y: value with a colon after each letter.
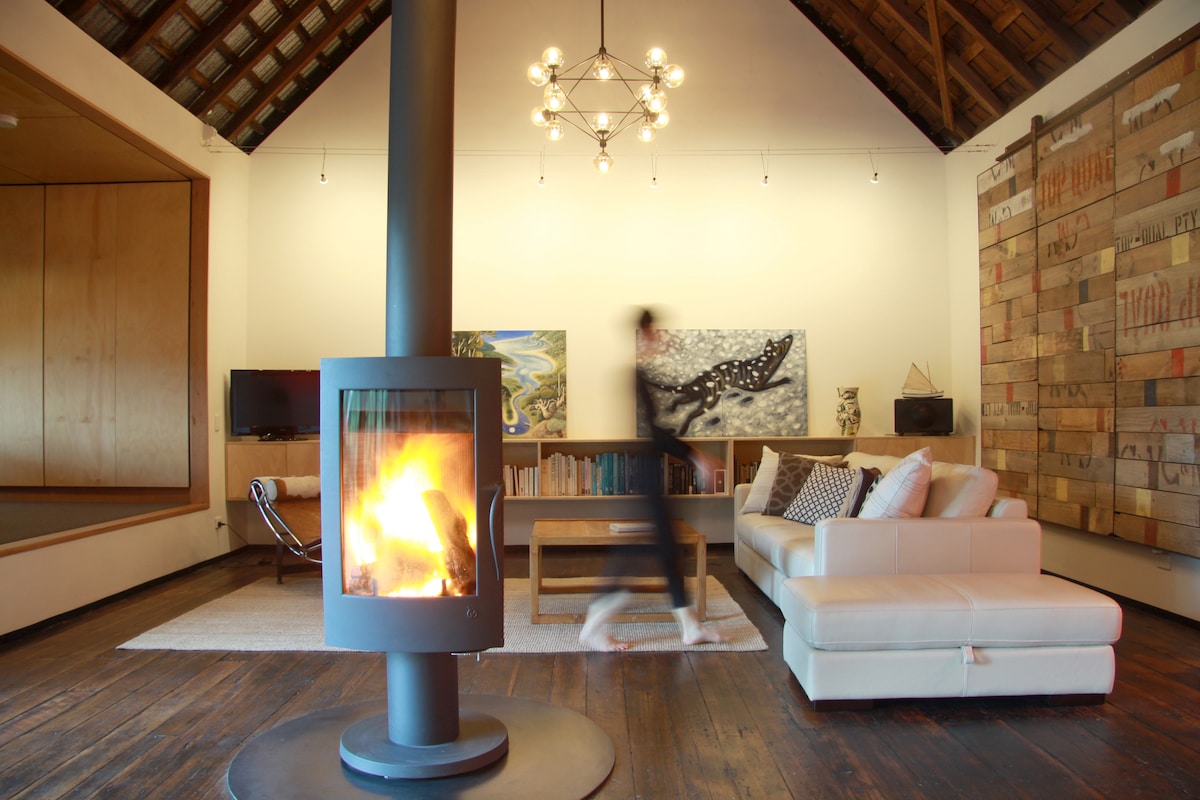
x: 246, y: 460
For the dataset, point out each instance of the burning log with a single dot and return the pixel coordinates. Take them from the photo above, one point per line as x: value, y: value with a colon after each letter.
x: 451, y: 529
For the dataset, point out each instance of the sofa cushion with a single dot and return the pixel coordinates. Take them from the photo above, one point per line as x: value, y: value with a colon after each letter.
x: 764, y: 477
x: 902, y: 491
x: 822, y: 496
x: 786, y: 546
x: 790, y: 478
x: 914, y: 612
x: 960, y: 490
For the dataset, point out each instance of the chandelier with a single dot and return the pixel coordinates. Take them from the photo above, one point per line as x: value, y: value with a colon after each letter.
x: 642, y: 106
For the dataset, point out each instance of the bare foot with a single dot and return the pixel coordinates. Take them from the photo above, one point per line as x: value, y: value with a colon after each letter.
x: 595, y: 628
x: 692, y: 631
x: 703, y: 635
x: 598, y: 639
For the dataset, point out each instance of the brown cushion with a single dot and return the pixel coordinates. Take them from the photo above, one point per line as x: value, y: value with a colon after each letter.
x: 790, y: 476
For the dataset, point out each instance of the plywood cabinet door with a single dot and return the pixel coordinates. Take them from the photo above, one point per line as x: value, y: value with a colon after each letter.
x: 151, y: 335
x: 116, y: 351
x: 21, y: 210
x: 80, y: 368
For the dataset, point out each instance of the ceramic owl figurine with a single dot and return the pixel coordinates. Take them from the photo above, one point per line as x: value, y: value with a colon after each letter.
x: 848, y: 413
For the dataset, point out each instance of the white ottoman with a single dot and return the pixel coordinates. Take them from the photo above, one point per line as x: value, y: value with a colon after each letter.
x: 868, y: 637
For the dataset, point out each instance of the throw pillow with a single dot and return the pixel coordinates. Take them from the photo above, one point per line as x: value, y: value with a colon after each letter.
x: 864, y: 482
x: 823, y: 495
x: 903, y: 491
x: 756, y: 501
x: 793, y: 471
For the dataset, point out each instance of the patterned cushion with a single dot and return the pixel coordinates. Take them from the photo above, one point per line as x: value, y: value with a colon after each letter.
x: 903, y: 491
x: 823, y: 495
x: 790, y: 475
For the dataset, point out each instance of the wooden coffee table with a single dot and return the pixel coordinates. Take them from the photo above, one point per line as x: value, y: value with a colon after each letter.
x: 596, y: 533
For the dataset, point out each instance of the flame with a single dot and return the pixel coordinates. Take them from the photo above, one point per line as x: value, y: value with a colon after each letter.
x: 390, y: 541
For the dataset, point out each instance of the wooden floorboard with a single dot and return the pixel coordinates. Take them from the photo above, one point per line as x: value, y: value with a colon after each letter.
x: 80, y: 718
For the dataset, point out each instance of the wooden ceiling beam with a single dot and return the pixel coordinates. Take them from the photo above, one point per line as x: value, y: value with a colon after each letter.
x: 287, y: 72
x: 76, y: 10
x: 236, y: 11
x: 146, y: 28
x: 1072, y: 48
x: 939, y: 62
x: 978, y: 26
x: 1130, y: 8
x: 957, y: 65
x: 247, y: 60
x: 886, y: 51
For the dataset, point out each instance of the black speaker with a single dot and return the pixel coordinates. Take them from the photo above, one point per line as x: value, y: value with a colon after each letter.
x: 924, y: 416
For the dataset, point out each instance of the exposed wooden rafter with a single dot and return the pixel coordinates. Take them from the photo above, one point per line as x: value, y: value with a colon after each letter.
x: 951, y: 66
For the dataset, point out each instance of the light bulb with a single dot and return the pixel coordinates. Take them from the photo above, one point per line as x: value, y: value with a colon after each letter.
x: 539, y: 74
x: 553, y: 57
x: 652, y: 98
x: 554, y: 97
x: 764, y: 180
x: 602, y: 68
x: 657, y: 101
x: 646, y: 132
x: 875, y: 178
x: 539, y: 116
x: 542, y: 180
x: 655, y: 58
x: 672, y: 76
x: 555, y: 131
x: 660, y: 119
x: 654, y: 183
x: 324, y: 180
x: 603, y: 162
x: 602, y: 123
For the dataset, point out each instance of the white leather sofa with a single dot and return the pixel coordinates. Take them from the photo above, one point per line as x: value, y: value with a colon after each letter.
x: 771, y: 549
x: 931, y: 606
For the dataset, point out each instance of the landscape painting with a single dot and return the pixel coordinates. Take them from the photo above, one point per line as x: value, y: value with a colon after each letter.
x: 533, y: 378
x: 729, y: 383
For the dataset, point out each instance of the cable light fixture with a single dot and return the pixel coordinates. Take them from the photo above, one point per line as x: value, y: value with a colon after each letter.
x: 563, y: 100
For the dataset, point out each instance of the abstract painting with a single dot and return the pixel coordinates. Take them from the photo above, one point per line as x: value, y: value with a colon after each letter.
x: 729, y: 383
x: 533, y: 378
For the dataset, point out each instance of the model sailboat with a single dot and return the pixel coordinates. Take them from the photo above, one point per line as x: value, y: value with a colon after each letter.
x: 918, y: 384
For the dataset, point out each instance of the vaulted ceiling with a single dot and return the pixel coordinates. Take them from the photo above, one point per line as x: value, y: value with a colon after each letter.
x: 951, y: 66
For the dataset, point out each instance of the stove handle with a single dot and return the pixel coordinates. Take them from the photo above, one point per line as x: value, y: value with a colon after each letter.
x: 497, y: 496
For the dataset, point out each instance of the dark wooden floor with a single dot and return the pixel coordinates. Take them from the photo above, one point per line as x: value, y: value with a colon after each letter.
x: 79, y: 718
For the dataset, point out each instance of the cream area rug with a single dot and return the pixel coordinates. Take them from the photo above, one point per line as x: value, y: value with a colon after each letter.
x: 266, y: 616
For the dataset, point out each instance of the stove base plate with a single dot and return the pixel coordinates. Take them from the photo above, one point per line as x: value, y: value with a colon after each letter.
x: 553, y: 754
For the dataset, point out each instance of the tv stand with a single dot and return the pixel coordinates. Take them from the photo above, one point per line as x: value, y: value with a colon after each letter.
x: 248, y: 459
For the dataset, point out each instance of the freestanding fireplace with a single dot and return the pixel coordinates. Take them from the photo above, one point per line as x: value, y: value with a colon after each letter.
x: 412, y: 533
x: 411, y: 520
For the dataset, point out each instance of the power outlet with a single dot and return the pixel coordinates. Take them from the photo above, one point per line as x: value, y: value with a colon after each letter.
x: 218, y: 523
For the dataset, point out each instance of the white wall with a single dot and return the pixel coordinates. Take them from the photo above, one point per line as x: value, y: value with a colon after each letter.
x: 820, y: 249
x: 1126, y: 569
x: 86, y: 570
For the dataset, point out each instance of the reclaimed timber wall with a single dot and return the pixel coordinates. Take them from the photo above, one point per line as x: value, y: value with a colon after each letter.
x: 1089, y: 275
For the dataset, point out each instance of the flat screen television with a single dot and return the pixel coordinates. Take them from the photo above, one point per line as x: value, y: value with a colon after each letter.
x: 274, y: 403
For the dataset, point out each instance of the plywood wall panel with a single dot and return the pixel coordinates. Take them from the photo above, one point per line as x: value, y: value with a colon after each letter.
x: 21, y: 308
x: 151, y: 370
x: 80, y: 360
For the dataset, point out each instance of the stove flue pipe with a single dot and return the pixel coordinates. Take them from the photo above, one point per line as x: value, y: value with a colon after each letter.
x: 420, y: 193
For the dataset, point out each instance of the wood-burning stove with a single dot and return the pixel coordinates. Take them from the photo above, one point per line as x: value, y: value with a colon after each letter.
x: 413, y: 539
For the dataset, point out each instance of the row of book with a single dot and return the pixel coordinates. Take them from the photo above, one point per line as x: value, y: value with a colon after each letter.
x: 606, y: 474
